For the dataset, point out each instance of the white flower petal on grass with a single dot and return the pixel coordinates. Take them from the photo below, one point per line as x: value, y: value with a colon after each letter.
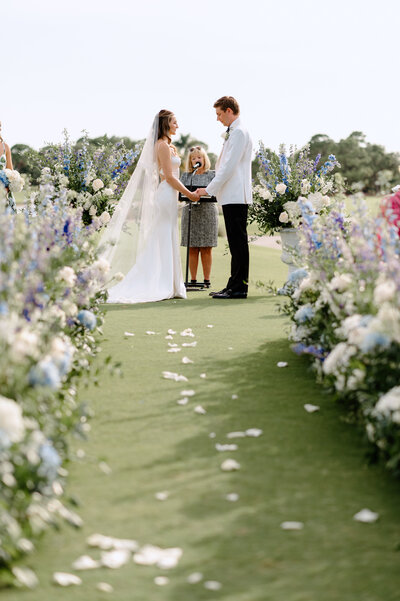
x: 212, y: 585
x: 232, y: 497
x: 194, y: 578
x: 236, y: 435
x: 104, y: 587
x: 234, y: 397
x: 193, y: 344
x: 161, y: 580
x: 101, y: 541
x: 170, y: 558
x: 226, y: 447
x: 169, y: 337
x: 25, y: 577
x: 125, y: 544
x: 183, y: 401
x: 108, y: 542
x: 172, y: 344
x: 65, y: 579
x: 147, y: 555
x: 85, y: 562
x: 366, y: 516
x: 230, y: 348
x: 281, y: 364
x: 127, y: 334
x: 150, y: 332
x: 311, y: 408
x: 170, y: 375
x: 188, y: 392
x: 203, y: 376
x: 105, y: 468
x: 212, y: 435
x: 230, y: 465
x: 210, y: 325
x: 162, y: 495
x: 200, y: 410
x: 292, y: 525
x: 174, y: 350
x: 116, y: 558
x: 187, y: 332
x: 254, y: 432
x: 171, y: 331
x: 186, y: 360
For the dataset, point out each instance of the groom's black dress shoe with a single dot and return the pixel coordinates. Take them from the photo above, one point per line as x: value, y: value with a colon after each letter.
x: 230, y: 294
x: 220, y: 292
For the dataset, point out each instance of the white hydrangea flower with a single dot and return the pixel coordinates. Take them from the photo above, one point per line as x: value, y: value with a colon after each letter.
x: 384, y: 291
x: 340, y: 282
x: 11, y: 420
x: 68, y: 275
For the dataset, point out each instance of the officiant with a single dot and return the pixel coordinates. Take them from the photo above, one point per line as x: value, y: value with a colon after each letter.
x: 204, y: 220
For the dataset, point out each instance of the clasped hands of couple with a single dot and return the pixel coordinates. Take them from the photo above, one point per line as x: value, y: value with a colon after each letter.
x: 199, y: 193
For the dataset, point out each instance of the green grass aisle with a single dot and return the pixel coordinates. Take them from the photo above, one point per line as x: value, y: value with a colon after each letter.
x: 305, y: 467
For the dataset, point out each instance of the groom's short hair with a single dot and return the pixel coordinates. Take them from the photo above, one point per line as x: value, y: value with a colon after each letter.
x: 227, y: 102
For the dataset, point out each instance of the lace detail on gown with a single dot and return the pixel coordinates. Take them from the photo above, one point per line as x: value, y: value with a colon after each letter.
x: 157, y: 273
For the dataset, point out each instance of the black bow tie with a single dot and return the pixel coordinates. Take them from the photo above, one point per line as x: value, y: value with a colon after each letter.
x: 227, y: 131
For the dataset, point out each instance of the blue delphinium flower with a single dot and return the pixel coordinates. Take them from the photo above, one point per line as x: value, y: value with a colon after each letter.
x: 305, y: 313
x: 373, y: 340
x: 297, y: 275
x: 87, y: 319
x: 46, y: 374
x: 50, y: 462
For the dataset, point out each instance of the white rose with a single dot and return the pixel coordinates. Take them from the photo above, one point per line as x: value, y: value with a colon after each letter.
x: 97, y: 184
x: 119, y: 276
x: 384, y: 291
x: 93, y: 210
x: 105, y: 217
x: 46, y: 171
x: 284, y: 217
x: 70, y: 308
x: 281, y: 188
x: 108, y: 192
x: 68, y: 275
x: 11, y: 420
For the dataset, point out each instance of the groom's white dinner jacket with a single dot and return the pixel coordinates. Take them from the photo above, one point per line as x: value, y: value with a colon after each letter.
x: 232, y: 181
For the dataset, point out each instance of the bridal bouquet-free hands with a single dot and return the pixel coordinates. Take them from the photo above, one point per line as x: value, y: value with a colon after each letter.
x: 284, y: 178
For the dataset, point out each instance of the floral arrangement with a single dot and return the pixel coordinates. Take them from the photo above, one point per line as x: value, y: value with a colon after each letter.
x: 50, y: 320
x: 94, y: 177
x: 284, y: 178
x: 12, y: 180
x: 344, y: 302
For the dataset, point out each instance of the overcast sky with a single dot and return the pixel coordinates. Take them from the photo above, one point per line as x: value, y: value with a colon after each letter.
x: 297, y: 68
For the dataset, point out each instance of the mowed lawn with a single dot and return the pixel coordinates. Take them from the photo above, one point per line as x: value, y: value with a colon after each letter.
x: 304, y: 467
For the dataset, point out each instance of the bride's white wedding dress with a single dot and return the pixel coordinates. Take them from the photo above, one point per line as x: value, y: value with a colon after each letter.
x: 157, y: 273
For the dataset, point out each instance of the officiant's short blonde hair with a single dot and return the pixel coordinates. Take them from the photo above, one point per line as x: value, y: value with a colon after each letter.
x: 197, y: 150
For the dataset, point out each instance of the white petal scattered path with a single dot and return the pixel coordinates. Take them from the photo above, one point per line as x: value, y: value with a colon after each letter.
x: 366, y: 516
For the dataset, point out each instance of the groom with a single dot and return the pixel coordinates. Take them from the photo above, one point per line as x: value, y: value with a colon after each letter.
x: 232, y: 187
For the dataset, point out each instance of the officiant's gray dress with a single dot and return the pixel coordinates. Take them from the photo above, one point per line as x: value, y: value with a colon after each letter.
x: 204, y: 222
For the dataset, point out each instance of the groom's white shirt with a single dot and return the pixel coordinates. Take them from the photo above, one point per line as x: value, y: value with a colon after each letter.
x: 232, y: 181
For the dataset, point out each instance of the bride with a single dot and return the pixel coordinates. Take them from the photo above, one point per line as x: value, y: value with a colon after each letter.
x: 141, y: 240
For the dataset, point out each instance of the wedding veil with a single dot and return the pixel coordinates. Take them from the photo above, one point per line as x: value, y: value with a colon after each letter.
x: 130, y: 226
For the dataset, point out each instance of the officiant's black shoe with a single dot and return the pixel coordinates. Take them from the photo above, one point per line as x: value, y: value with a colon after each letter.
x: 230, y: 294
x: 220, y: 292
x: 207, y: 283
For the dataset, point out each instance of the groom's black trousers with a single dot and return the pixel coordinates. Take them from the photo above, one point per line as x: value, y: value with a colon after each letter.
x: 235, y: 216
